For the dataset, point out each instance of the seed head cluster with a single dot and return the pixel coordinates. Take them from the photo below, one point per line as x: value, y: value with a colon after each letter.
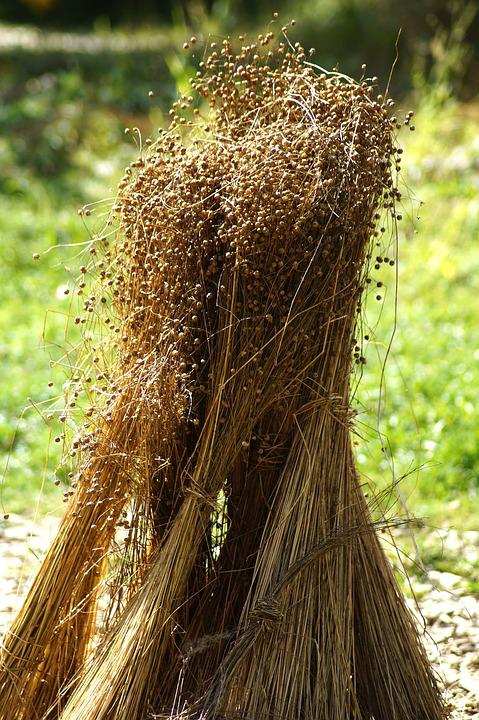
x: 232, y: 228
x: 233, y: 222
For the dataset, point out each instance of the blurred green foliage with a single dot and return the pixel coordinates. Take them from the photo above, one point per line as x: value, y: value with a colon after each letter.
x: 48, y: 109
x: 428, y: 396
x: 53, y: 86
x: 348, y: 32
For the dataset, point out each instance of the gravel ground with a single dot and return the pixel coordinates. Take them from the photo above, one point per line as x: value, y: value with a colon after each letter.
x: 452, y: 640
x: 450, y: 616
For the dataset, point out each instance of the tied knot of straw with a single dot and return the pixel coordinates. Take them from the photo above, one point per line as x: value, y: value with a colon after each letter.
x: 266, y: 614
x: 334, y: 405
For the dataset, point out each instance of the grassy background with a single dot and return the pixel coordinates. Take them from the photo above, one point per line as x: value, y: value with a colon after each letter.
x: 64, y: 146
x: 423, y: 409
x: 429, y: 391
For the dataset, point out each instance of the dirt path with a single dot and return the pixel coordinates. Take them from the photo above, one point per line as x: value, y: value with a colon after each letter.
x: 452, y: 640
x: 450, y: 616
x: 22, y: 544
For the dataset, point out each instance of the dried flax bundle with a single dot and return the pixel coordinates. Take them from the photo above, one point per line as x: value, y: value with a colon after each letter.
x: 251, y: 583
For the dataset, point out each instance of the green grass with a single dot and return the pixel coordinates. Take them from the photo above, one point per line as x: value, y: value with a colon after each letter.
x: 39, y: 215
x: 431, y: 378
x: 32, y: 320
x: 424, y: 413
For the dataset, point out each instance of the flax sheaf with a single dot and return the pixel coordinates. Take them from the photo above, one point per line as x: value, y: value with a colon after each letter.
x: 231, y: 279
